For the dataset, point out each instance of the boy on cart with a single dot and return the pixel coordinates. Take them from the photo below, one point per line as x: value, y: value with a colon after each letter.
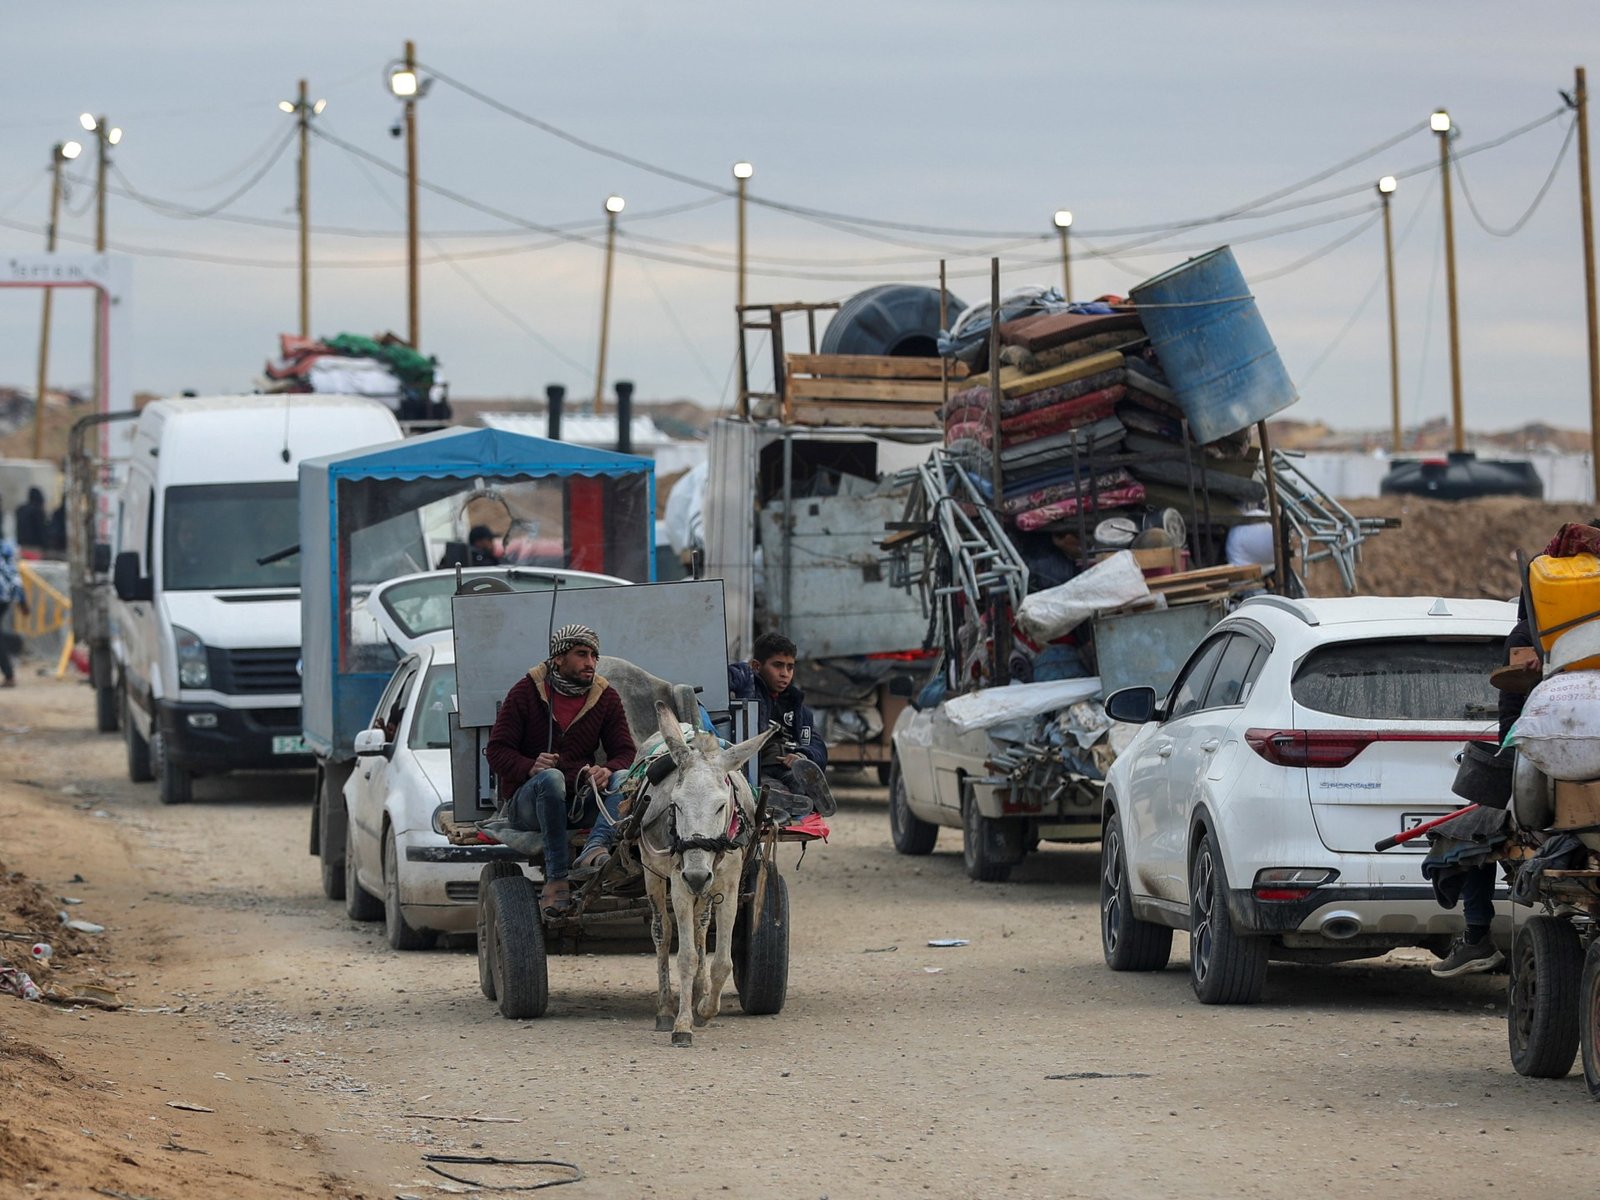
x: 793, y: 760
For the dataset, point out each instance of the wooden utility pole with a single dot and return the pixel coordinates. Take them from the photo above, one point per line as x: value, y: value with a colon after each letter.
x: 303, y: 113
x: 1386, y: 187
x: 58, y: 156
x: 1063, y: 221
x: 1580, y: 98
x: 413, y: 318
x: 614, y: 205
x: 741, y: 178
x: 1441, y: 127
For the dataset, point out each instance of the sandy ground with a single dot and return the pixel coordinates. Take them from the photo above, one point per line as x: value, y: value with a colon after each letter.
x: 895, y: 1070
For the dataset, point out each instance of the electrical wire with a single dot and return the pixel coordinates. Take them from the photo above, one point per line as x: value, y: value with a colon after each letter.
x: 183, y: 211
x: 1538, y: 199
x: 235, y: 171
x: 1321, y: 252
x: 22, y: 193
x: 672, y: 316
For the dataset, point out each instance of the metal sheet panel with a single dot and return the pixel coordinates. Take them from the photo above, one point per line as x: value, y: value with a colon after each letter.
x: 1146, y: 649
x: 674, y: 630
x: 318, y: 606
x: 730, y: 517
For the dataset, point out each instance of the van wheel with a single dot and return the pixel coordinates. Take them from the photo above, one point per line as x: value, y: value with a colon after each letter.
x: 909, y: 832
x: 138, y: 748
x: 1128, y: 943
x: 175, y: 785
x: 107, y: 704
x: 1225, y: 966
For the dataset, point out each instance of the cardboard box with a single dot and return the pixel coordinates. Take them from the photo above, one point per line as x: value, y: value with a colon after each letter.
x: 1577, y: 804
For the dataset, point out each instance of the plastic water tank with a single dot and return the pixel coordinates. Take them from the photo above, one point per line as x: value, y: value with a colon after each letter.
x: 898, y: 319
x: 1461, y: 475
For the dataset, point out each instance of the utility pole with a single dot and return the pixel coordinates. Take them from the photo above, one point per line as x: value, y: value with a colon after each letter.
x: 1063, y: 221
x: 614, y: 205
x: 106, y: 135
x: 1580, y: 98
x: 303, y: 203
x: 742, y: 171
x: 63, y: 152
x: 1386, y: 187
x: 403, y: 82
x: 1440, y: 124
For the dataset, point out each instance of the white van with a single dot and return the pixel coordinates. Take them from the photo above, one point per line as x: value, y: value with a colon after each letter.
x: 207, y: 618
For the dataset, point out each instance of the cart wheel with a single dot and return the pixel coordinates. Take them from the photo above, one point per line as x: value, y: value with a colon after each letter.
x: 1589, y: 1019
x: 499, y: 869
x: 516, y: 953
x: 1547, y: 969
x: 761, y: 956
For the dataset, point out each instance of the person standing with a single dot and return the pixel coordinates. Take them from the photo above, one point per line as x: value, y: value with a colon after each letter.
x: 11, y: 592
x: 32, y: 521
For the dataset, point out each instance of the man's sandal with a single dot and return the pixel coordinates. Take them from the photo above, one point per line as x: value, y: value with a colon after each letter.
x: 590, y: 863
x: 555, y: 905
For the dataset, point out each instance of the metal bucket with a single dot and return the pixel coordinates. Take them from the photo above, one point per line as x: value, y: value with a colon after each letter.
x: 1213, y: 345
x: 1484, y: 776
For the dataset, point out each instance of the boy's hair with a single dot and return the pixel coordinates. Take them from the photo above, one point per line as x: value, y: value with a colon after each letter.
x: 770, y: 644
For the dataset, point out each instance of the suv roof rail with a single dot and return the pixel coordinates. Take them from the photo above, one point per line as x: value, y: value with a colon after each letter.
x: 1288, y: 606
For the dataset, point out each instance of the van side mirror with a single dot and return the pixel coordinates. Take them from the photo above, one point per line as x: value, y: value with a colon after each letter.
x: 1135, y: 705
x: 100, y: 559
x: 127, y: 581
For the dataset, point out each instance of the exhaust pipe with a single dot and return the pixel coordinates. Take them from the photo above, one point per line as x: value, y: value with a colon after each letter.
x: 1341, y: 926
x: 554, y: 395
x: 624, y: 417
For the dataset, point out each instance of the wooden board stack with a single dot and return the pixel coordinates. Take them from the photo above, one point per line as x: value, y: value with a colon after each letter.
x: 865, y: 389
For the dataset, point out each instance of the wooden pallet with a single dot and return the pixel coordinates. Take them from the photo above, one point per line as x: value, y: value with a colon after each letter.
x: 864, y: 389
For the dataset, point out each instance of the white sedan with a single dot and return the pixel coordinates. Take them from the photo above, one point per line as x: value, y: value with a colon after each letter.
x: 1298, y: 734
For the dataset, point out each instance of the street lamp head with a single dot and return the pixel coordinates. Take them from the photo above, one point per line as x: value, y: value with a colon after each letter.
x: 114, y: 136
x: 743, y: 170
x: 316, y: 109
x: 67, y: 151
x: 286, y: 106
x: 615, y: 204
x: 403, y: 83
x: 1063, y: 219
x: 87, y: 121
x: 1439, y: 122
x: 1387, y: 184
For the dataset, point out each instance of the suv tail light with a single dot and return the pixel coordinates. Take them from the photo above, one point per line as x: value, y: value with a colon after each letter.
x: 1291, y: 883
x: 1335, y: 747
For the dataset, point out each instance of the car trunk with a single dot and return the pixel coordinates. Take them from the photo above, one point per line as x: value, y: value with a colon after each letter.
x: 1377, y: 726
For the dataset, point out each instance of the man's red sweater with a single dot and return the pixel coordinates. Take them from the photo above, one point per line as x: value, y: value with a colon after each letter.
x: 522, y: 731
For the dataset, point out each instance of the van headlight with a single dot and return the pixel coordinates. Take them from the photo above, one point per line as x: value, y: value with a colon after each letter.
x: 193, y: 670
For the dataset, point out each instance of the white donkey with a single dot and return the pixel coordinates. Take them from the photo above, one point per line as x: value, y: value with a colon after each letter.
x: 691, y: 842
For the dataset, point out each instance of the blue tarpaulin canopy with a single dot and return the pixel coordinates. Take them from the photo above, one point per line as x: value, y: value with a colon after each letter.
x: 362, y: 521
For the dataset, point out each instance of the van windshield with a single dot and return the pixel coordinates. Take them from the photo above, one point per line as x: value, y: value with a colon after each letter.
x: 213, y: 533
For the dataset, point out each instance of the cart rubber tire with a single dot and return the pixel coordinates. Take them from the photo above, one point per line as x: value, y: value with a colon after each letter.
x: 989, y: 848
x: 1225, y: 966
x: 107, y: 709
x: 909, y: 832
x: 517, y: 960
x: 396, y: 930
x: 174, y: 785
x: 1542, y: 997
x: 761, y: 955
x: 359, y: 904
x: 138, y: 748
x: 328, y: 810
x: 1128, y: 943
x: 1589, y: 1019
x: 499, y: 869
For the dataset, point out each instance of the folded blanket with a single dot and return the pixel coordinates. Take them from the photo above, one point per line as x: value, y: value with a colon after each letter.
x: 1057, y: 417
x: 1068, y: 489
x: 1030, y: 362
x: 1095, y: 438
x: 1176, y: 474
x: 1116, y: 497
x: 1048, y: 330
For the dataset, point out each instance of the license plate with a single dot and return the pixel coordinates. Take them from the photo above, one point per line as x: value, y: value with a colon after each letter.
x: 289, y: 745
x: 1412, y: 820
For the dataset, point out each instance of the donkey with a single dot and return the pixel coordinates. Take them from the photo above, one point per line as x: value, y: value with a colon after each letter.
x: 692, y: 839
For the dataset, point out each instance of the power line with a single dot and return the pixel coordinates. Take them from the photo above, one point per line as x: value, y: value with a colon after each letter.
x: 184, y: 212
x: 1538, y: 199
x: 1321, y: 252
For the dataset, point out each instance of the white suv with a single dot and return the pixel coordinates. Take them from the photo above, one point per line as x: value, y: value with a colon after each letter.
x: 1298, y: 734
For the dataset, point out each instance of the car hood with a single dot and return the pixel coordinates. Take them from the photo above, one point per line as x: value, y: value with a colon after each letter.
x: 252, y: 620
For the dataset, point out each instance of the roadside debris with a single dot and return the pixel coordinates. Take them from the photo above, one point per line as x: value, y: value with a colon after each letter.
x: 949, y: 942
x: 14, y: 982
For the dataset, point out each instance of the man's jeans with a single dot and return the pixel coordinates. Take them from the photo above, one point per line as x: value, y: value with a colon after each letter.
x: 541, y: 804
x: 1477, y: 896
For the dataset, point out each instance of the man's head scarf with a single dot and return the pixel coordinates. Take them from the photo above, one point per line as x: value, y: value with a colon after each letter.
x: 568, y: 636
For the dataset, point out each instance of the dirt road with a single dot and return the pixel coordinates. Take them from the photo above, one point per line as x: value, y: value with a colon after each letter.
x: 1015, y: 1066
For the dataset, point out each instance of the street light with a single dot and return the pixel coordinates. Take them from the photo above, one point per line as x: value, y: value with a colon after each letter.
x: 742, y: 172
x: 87, y: 121
x: 403, y: 82
x: 1063, y: 220
x: 1439, y: 122
x: 1386, y: 187
x: 614, y: 205
x: 69, y: 150
x: 409, y: 87
x: 303, y: 110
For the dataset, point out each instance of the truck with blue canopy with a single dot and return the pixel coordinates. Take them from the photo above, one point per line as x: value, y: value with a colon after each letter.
x: 407, y: 509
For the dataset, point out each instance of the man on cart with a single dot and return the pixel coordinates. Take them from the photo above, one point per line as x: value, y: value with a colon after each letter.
x: 546, y: 751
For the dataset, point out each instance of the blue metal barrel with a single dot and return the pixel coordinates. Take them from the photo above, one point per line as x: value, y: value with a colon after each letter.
x: 1213, y: 345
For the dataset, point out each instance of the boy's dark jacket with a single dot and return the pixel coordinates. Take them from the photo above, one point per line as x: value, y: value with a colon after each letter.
x: 788, y: 708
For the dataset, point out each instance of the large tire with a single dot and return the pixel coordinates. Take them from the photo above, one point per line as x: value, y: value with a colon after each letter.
x: 1225, y: 966
x: 1547, y: 974
x: 399, y: 934
x: 498, y: 869
x: 909, y: 832
x: 1128, y: 943
x: 761, y: 952
x: 332, y: 833
x: 989, y: 848
x: 521, y: 975
x: 138, y: 748
x: 1589, y: 1018
x: 359, y: 904
x: 107, y: 709
x: 174, y: 785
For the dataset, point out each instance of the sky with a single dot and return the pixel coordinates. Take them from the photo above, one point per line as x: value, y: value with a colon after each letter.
x: 982, y: 117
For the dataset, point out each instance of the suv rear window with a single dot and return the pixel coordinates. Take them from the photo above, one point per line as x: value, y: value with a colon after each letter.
x: 1402, y: 679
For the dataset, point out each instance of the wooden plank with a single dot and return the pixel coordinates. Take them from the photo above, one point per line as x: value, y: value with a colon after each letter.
x: 1219, y: 574
x: 869, y: 366
x: 890, y: 416
x: 892, y: 391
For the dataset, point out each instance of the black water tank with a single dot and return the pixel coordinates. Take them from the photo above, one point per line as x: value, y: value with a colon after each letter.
x: 1462, y: 475
x: 899, y: 319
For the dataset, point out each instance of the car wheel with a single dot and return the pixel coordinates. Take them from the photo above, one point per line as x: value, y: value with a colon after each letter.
x: 1589, y: 1019
x: 138, y: 748
x: 174, y: 784
x: 990, y: 848
x: 1225, y: 966
x: 521, y: 973
x: 909, y: 832
x: 400, y: 934
x: 359, y: 904
x: 1128, y: 943
x: 1547, y: 973
x: 499, y: 869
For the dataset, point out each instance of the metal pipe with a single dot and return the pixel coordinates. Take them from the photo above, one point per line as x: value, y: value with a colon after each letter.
x: 555, y: 397
x: 788, y: 526
x: 624, y: 417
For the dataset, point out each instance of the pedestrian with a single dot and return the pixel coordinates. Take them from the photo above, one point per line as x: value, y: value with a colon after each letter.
x: 481, y: 547
x: 33, y: 521
x: 11, y: 592
x: 793, y: 759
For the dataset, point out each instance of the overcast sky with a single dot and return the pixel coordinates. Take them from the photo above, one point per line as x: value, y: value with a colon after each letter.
x: 980, y: 116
